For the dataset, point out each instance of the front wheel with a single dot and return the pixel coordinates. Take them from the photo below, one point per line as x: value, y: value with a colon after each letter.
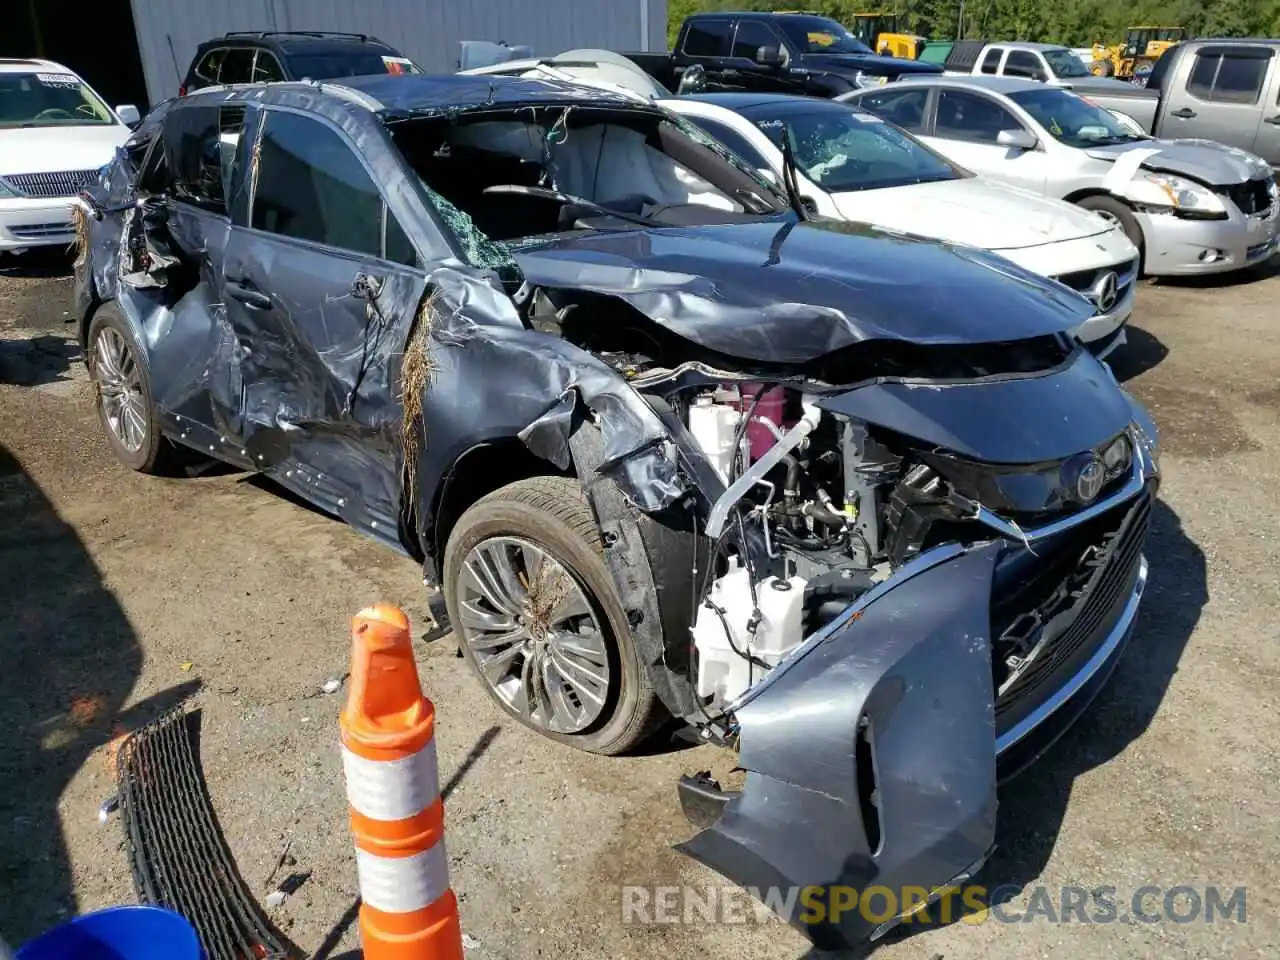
x: 538, y: 619
x: 1113, y: 210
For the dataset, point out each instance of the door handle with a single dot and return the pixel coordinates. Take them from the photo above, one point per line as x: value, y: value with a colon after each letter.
x: 1186, y: 113
x: 246, y: 294
x: 1275, y: 120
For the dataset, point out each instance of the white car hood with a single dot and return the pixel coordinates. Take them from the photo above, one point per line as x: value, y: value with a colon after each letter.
x: 972, y: 211
x: 52, y: 149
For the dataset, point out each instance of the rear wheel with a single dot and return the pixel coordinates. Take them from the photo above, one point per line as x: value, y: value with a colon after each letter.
x: 538, y: 619
x: 122, y: 393
x: 1113, y: 210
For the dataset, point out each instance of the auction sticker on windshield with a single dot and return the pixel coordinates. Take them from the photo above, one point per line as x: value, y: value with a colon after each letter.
x: 58, y: 79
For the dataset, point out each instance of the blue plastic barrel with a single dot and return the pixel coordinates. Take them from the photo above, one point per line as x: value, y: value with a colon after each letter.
x: 118, y: 933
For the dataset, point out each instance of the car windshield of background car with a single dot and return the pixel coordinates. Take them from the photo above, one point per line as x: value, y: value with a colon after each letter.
x: 49, y: 100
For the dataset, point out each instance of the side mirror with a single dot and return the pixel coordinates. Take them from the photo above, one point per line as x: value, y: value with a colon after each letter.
x: 1018, y: 139
x: 769, y: 57
x: 128, y: 114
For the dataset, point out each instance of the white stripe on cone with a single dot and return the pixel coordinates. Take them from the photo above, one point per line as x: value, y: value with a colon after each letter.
x: 392, y: 789
x: 403, y: 884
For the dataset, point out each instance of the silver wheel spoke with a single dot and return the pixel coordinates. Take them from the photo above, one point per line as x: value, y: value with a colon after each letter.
x: 119, y: 385
x: 534, y: 635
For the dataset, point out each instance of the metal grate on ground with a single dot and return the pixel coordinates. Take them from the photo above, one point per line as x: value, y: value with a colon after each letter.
x: 178, y: 856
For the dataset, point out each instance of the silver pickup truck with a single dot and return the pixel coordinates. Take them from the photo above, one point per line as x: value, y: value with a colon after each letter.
x: 1223, y: 90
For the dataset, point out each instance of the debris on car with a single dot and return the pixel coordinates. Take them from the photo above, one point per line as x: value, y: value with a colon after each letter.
x: 854, y: 504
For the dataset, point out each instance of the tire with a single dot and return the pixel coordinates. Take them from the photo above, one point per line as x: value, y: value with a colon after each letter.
x: 1103, y: 68
x: 117, y: 365
x: 1116, y: 210
x: 552, y: 515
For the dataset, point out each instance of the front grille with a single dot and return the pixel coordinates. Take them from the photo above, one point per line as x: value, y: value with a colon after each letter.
x: 1107, y: 574
x: 41, y: 231
x: 65, y: 183
x: 1085, y: 281
x: 1253, y: 198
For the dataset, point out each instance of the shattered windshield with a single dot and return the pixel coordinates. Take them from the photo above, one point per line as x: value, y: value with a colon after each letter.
x: 841, y: 149
x: 502, y: 176
x: 49, y: 100
x: 1071, y: 119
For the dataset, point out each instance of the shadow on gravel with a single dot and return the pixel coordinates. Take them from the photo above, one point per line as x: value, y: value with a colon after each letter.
x: 71, y: 660
x: 35, y: 362
x: 46, y: 262
x: 1141, y: 353
x: 1032, y: 806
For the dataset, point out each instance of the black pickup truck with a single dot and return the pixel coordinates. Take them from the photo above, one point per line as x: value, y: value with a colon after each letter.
x: 775, y: 53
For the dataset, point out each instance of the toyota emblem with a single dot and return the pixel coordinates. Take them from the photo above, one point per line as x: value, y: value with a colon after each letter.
x: 1106, y: 291
x: 1084, y: 476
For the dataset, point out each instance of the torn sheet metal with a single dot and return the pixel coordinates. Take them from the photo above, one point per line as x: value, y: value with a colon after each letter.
x: 775, y: 292
x: 896, y: 783
x: 1202, y: 160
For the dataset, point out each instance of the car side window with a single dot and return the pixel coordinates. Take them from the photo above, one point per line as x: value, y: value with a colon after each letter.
x: 902, y: 107
x: 706, y: 38
x: 968, y: 116
x: 735, y: 141
x: 991, y: 62
x: 207, y: 68
x: 200, y: 147
x: 1229, y: 75
x: 266, y: 68
x: 751, y: 35
x: 310, y: 185
x: 1023, y: 63
x: 237, y: 66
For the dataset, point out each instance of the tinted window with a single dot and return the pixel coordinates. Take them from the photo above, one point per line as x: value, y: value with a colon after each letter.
x: 356, y: 63
x: 1064, y: 63
x: 207, y: 68
x: 1022, y: 63
x: 842, y: 150
x: 200, y: 150
x: 707, y: 38
x: 396, y: 243
x: 751, y: 36
x: 312, y: 186
x: 903, y: 107
x: 1071, y: 119
x: 991, y: 62
x: 967, y: 116
x: 820, y: 35
x: 734, y: 141
x: 266, y: 69
x: 237, y: 67
x: 1229, y: 76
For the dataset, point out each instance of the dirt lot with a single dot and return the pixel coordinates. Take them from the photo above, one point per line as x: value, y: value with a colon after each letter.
x: 120, y: 594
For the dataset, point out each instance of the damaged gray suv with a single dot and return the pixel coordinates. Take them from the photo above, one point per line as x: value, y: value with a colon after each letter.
x: 851, y: 504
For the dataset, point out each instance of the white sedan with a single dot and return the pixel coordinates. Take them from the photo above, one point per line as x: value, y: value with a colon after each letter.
x: 853, y: 165
x: 55, y: 133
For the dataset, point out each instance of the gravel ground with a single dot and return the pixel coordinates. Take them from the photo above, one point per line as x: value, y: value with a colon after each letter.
x: 119, y: 594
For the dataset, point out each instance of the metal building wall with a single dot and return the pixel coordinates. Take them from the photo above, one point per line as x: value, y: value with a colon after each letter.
x: 427, y: 31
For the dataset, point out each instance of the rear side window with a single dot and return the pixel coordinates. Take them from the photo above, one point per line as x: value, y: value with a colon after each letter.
x: 312, y: 186
x: 200, y: 148
x: 237, y: 66
x: 991, y: 62
x: 707, y: 38
x: 1022, y: 63
x: 1230, y: 74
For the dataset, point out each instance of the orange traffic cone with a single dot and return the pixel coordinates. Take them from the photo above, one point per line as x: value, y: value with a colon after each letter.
x: 409, y: 911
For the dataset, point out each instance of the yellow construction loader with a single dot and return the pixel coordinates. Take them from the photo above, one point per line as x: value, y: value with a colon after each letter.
x: 1143, y: 46
x: 879, y: 31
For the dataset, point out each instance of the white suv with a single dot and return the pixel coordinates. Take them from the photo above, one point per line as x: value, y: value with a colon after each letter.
x: 55, y: 134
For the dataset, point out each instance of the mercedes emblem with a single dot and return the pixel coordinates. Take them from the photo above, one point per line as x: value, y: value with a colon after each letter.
x: 1106, y: 291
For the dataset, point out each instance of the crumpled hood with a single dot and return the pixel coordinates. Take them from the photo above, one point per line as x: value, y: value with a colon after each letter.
x: 870, y: 62
x: 974, y: 211
x: 791, y: 293
x: 1204, y: 160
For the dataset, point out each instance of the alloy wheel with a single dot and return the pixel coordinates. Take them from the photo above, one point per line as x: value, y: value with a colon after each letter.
x: 535, y: 637
x: 119, y: 384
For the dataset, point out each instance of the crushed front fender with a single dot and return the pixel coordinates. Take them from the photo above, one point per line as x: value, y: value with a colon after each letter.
x: 869, y: 755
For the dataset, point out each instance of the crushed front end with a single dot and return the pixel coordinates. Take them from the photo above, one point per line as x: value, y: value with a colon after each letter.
x: 913, y: 587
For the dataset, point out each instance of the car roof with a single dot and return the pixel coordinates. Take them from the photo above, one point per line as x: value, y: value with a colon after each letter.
x: 1005, y: 85
x: 1027, y: 45
x: 407, y: 94
x: 298, y: 43
x: 752, y: 103
x: 31, y: 64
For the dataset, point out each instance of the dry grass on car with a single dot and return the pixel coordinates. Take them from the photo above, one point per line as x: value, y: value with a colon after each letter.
x: 416, y: 373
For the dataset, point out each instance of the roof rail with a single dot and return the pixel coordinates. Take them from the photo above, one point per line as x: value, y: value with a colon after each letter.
x: 35, y: 61
x: 321, y: 34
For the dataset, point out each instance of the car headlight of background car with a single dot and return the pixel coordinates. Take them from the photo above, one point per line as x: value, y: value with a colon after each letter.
x: 863, y: 80
x: 1186, y: 198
